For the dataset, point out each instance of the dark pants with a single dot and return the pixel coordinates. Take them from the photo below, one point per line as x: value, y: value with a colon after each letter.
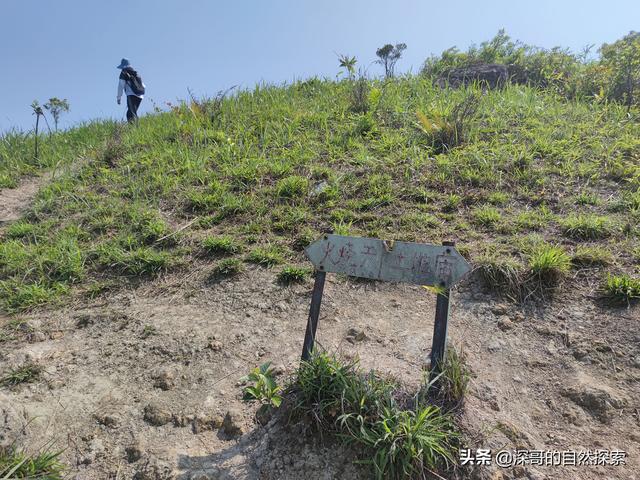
x: 133, y: 103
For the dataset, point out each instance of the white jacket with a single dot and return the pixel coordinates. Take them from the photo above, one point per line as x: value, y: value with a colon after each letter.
x: 124, y: 86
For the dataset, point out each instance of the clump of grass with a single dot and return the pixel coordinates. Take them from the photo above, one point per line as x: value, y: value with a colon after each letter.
x: 148, y: 331
x: 502, y: 275
x: 293, y: 186
x: 267, y: 256
x: 498, y: 198
x: 228, y: 267
x: 533, y: 219
x: 29, y: 372
x: 587, y: 198
x: 486, y: 216
x: 18, y: 296
x: 363, y: 408
x: 591, y: 256
x: 449, y: 129
x: 16, y: 464
x: 548, y: 264
x: 586, y: 227
x: 621, y: 289
x: 451, y: 202
x: 221, y: 245
x: 292, y: 274
x: 134, y: 261
x: 452, y: 382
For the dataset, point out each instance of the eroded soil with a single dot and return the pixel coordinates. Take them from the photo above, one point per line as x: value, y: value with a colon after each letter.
x: 138, y: 381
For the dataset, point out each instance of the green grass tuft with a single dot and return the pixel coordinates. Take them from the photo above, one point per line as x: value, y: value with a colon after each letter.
x: 294, y: 186
x: 29, y: 372
x: 292, y: 274
x: 549, y: 264
x: 221, y: 245
x: 267, y: 256
x: 586, y: 227
x: 228, y: 268
x: 592, y: 256
x: 363, y: 408
x: 43, y: 465
x: 621, y: 289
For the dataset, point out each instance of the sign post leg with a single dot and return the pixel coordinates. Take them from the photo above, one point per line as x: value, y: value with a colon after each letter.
x: 314, y: 314
x: 439, y: 345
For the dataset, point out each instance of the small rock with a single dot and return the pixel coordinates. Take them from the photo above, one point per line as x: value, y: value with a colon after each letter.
x: 356, y: 335
x: 134, y: 452
x: 35, y: 337
x: 505, y: 324
x: 164, y: 379
x: 83, y: 321
x: 543, y: 329
x: 156, y: 416
x: 154, y: 469
x: 202, y: 423
x: 107, y: 419
x: 232, y: 423
x: 499, y: 309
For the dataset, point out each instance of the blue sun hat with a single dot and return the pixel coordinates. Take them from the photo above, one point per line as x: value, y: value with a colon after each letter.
x: 124, y: 63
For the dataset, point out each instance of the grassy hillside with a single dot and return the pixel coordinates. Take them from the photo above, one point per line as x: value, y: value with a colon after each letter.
x: 530, y: 185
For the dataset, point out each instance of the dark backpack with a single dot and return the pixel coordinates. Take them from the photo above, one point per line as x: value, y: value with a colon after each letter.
x: 135, y: 81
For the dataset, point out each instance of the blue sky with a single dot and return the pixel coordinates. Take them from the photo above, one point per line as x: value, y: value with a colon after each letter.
x: 69, y: 48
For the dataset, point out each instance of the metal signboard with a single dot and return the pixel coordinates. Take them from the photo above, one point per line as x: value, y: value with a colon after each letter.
x: 377, y: 259
x: 418, y: 263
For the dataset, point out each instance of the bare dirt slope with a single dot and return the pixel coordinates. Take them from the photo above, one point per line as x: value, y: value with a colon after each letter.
x: 14, y: 201
x: 136, y: 383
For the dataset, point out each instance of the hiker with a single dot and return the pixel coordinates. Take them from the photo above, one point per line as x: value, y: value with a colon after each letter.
x: 133, y: 88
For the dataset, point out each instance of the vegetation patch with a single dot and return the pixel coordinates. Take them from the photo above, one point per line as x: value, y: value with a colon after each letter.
x: 221, y: 245
x: 292, y: 274
x: 227, y: 268
x: 29, y: 372
x: 586, y: 227
x: 267, y: 256
x: 621, y: 289
x: 17, y: 464
x: 407, y: 436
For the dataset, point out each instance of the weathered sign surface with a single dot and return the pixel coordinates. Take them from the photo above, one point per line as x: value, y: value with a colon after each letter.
x: 377, y: 259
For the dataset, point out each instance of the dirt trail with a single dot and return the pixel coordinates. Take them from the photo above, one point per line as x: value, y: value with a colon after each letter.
x: 14, y: 201
x: 137, y: 382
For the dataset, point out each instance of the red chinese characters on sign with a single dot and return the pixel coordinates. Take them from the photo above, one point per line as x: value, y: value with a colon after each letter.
x: 398, y: 262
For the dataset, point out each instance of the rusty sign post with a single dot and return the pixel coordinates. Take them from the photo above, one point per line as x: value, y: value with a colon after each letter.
x: 418, y: 263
